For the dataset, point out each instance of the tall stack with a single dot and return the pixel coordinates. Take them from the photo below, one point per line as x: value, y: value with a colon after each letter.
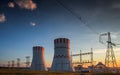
x: 38, y: 61
x: 61, y: 60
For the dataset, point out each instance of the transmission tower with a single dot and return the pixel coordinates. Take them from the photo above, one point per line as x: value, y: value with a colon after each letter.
x: 27, y: 61
x: 110, y: 60
x: 8, y: 63
x: 18, y: 62
x: 13, y: 63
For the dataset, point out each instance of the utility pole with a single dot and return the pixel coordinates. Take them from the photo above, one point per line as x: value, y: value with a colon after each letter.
x: 71, y: 57
x: 91, y: 57
x: 80, y: 56
x: 92, y: 60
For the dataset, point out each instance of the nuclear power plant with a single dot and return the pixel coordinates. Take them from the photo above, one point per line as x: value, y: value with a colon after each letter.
x: 38, y: 61
x: 61, y: 59
x: 63, y: 62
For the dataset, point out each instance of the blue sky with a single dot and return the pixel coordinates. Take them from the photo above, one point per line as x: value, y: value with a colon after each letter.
x: 44, y: 20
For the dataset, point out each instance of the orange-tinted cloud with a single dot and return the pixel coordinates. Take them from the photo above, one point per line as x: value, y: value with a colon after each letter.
x: 26, y: 4
x: 2, y: 18
x: 11, y: 5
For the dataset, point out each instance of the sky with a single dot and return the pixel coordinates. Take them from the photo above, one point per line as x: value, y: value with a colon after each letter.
x: 28, y: 23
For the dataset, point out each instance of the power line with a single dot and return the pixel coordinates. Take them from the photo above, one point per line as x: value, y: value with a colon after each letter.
x: 79, y: 18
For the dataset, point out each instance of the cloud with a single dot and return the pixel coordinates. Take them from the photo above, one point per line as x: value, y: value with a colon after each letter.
x: 11, y: 5
x: 32, y: 23
x: 116, y: 5
x: 26, y: 4
x: 115, y: 35
x: 2, y: 18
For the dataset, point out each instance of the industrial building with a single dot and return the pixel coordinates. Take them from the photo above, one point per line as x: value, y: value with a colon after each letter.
x: 62, y: 58
x: 38, y: 61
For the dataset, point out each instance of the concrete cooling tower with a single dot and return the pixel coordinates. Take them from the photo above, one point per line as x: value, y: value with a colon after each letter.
x: 61, y: 60
x: 38, y: 61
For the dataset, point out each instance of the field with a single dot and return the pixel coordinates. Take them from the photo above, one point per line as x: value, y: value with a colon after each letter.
x: 28, y: 72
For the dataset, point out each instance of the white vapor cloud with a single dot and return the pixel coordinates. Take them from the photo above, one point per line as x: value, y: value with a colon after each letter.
x: 32, y: 23
x: 11, y: 5
x: 2, y: 18
x: 26, y: 4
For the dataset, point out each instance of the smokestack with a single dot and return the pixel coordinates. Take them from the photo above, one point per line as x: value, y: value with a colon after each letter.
x: 38, y: 62
x: 61, y: 60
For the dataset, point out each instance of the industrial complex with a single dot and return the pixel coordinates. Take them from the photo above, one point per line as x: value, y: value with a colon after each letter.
x: 62, y: 61
x: 82, y: 26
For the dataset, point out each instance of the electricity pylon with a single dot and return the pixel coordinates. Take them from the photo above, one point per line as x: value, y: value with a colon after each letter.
x: 18, y: 62
x: 110, y: 60
x: 27, y: 61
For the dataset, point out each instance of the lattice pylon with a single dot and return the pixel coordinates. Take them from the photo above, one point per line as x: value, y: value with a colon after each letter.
x: 110, y: 60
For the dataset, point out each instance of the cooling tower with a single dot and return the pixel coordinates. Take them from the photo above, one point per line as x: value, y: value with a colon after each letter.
x: 61, y: 59
x: 38, y: 62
